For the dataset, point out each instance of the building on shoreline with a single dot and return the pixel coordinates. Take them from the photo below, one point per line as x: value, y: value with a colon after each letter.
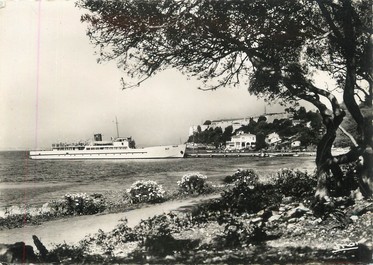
x: 237, y: 123
x: 241, y: 141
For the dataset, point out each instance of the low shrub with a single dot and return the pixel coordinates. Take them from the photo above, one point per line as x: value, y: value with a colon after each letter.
x: 295, y: 183
x: 193, y: 183
x: 105, y: 243
x: 159, y: 225
x: 78, y: 204
x: 147, y: 191
x: 249, y: 174
x: 239, y: 233
x: 15, y: 220
x: 72, y: 254
x: 246, y: 196
x: 156, y: 235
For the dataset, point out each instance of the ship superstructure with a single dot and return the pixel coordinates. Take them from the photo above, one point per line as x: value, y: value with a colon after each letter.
x: 118, y: 148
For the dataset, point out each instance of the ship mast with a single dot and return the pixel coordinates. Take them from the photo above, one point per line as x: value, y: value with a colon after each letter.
x: 116, y: 123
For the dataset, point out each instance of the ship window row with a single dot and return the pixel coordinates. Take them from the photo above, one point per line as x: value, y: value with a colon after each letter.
x: 106, y: 148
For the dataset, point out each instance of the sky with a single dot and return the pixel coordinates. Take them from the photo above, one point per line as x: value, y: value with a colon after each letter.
x: 52, y: 89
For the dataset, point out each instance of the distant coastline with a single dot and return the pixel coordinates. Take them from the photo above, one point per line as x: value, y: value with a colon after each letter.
x: 216, y: 154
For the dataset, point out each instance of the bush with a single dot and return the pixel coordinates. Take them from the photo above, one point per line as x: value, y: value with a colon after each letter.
x: 156, y: 236
x: 66, y: 254
x: 246, y: 196
x: 15, y: 220
x: 295, y: 183
x: 146, y: 191
x: 249, y: 174
x: 78, y: 204
x: 239, y: 233
x: 194, y: 183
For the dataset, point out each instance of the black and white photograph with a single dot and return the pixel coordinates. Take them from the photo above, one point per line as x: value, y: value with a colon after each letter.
x: 186, y: 132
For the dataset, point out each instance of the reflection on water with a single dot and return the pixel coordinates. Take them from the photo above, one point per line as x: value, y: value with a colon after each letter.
x: 33, y: 182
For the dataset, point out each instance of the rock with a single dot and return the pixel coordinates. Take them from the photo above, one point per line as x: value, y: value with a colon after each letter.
x: 315, y: 221
x: 287, y: 200
x: 256, y: 220
x: 265, y: 214
x: 301, y: 207
x: 18, y: 252
x: 292, y: 220
x: 274, y: 218
x: 362, y: 208
x: 260, y: 213
x: 296, y: 212
x: 354, y: 218
x: 169, y: 257
x: 207, y: 261
x: 216, y: 259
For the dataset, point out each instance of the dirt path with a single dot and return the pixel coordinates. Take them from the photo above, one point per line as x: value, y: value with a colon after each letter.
x: 72, y: 230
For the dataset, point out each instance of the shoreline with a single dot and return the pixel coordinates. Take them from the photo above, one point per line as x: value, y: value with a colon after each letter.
x: 112, y: 179
x: 72, y: 229
x: 214, y: 154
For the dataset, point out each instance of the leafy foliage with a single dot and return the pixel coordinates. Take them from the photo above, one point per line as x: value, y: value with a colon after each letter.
x: 78, y: 204
x: 209, y: 136
x: 295, y: 183
x: 249, y: 196
x: 15, y: 220
x: 276, y: 48
x: 156, y: 235
x: 238, y: 233
x: 147, y: 191
x: 107, y: 242
x: 71, y: 204
x: 67, y: 254
x: 193, y: 183
x: 248, y: 174
x: 308, y: 131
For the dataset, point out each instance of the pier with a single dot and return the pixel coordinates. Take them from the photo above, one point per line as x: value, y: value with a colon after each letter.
x: 217, y: 154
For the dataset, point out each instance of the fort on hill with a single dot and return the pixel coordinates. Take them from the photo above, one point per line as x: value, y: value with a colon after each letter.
x: 237, y: 123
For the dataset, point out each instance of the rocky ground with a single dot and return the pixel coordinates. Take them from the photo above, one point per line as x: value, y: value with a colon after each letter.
x: 291, y: 234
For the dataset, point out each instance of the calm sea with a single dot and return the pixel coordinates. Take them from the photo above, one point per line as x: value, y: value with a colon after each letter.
x: 30, y: 182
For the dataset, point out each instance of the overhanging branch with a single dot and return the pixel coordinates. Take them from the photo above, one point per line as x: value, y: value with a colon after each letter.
x: 349, y: 136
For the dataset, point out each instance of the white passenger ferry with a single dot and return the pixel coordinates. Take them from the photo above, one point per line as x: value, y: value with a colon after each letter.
x: 118, y: 148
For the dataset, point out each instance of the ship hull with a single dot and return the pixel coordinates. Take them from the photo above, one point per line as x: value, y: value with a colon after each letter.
x: 156, y: 152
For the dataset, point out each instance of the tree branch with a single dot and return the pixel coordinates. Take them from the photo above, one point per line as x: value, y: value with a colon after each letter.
x: 348, y: 135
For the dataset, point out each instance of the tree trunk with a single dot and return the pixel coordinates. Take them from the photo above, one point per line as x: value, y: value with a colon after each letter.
x: 326, y: 166
x: 364, y: 168
x: 365, y: 171
x: 322, y: 170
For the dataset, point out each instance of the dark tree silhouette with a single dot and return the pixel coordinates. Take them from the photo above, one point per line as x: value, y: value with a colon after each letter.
x: 277, y: 48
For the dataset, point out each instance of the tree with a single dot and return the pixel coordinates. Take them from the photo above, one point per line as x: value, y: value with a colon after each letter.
x: 301, y: 113
x: 315, y: 120
x: 277, y: 48
x: 260, y: 141
x: 227, y: 134
x: 262, y: 118
x: 207, y: 122
x: 307, y: 136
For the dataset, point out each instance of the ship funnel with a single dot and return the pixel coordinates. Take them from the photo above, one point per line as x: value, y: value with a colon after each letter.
x: 98, y: 137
